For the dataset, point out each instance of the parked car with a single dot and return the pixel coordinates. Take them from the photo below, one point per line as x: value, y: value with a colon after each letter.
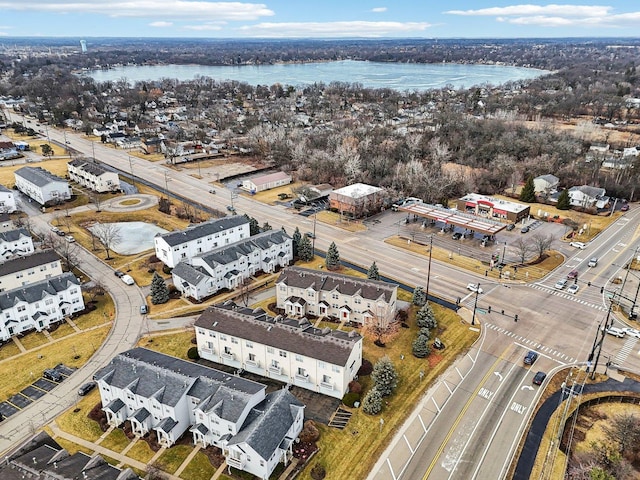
x: 55, y: 229
x: 128, y: 279
x: 579, y: 245
x: 572, y: 274
x: 524, y: 229
x: 144, y: 309
x: 615, y: 331
x: 58, y: 232
x: 231, y: 209
x: 593, y: 262
x: 86, y: 388
x: 530, y: 358
x: 53, y: 375
x: 632, y: 332
x: 456, y: 236
x: 539, y: 377
x: 474, y: 287
x: 573, y: 289
x: 118, y: 274
x: 560, y: 284
x: 70, y: 239
x: 511, y: 226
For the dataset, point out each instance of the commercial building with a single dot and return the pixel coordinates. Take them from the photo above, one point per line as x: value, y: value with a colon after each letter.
x: 357, y: 200
x: 266, y: 182
x: 489, y: 207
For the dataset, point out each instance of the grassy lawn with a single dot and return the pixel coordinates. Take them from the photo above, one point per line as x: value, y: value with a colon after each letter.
x: 141, y: 452
x: 33, y: 340
x: 57, y: 167
x: 116, y: 441
x: 77, y: 423
x: 172, y: 343
x: 8, y: 350
x: 333, y: 218
x: 63, y: 330
x: 18, y: 372
x: 338, y: 449
x: 173, y: 457
x: 270, y: 197
x: 199, y: 468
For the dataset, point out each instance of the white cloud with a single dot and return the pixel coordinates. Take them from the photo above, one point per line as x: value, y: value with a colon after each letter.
x: 204, y: 27
x: 379, y: 9
x: 334, y: 29
x: 161, y: 24
x: 527, y: 10
x: 170, y: 9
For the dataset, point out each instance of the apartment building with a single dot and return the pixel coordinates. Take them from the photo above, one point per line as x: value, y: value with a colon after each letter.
x: 42, y: 186
x: 301, y: 292
x: 286, y: 349
x: 29, y: 269
x: 91, y: 174
x: 15, y: 243
x: 182, y: 245
x: 172, y: 397
x: 7, y: 200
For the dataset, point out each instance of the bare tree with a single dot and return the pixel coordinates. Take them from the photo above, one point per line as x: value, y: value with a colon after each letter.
x: 381, y: 326
x: 96, y: 199
x: 541, y: 243
x: 109, y: 236
x: 522, y: 249
x: 624, y: 430
x: 68, y: 251
x: 244, y: 291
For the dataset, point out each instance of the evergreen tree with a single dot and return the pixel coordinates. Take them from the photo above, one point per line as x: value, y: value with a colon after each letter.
x: 425, y: 317
x: 528, y: 193
x: 296, y: 239
x: 332, y: 261
x: 266, y: 227
x: 420, y: 347
x: 159, y: 290
x: 564, y: 201
x: 305, y: 250
x: 424, y: 332
x: 384, y: 376
x: 254, y: 226
x: 419, y: 296
x: 373, y: 273
x: 372, y: 402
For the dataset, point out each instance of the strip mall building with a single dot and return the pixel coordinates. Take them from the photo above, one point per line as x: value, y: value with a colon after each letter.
x: 490, y: 207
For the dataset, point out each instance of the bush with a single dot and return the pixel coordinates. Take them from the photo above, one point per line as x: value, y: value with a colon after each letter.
x: 372, y: 402
x: 350, y: 399
x: 318, y: 472
x: 366, y: 368
x: 192, y: 353
x: 420, y: 347
x: 355, y: 387
x: 309, y: 433
x: 166, y: 270
x: 384, y: 376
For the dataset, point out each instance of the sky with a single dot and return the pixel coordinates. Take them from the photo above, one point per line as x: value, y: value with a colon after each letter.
x: 318, y: 19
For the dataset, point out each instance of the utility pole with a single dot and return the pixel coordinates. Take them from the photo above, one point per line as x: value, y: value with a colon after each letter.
x: 429, y: 266
x: 475, y: 306
x: 628, y: 267
x: 133, y: 179
x: 313, y: 239
x: 597, y: 344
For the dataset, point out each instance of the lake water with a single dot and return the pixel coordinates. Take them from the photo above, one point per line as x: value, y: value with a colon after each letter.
x: 397, y: 76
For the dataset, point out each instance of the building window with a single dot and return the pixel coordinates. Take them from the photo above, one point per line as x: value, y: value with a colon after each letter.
x: 223, y: 338
x: 322, y: 365
x: 298, y: 358
x: 212, y: 334
x: 234, y: 340
x: 227, y: 350
x: 200, y: 331
x: 335, y: 368
x: 269, y: 349
x: 249, y: 344
x: 252, y: 357
x: 283, y: 354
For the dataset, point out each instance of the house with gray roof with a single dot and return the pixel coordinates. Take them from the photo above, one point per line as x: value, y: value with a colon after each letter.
x: 546, y: 184
x: 39, y: 305
x: 42, y: 186
x: 182, y: 245
x: 29, y: 269
x: 301, y: 292
x: 93, y: 175
x: 7, y: 200
x: 171, y: 396
x: 228, y: 266
x: 15, y: 243
x: 586, y: 196
x: 286, y: 349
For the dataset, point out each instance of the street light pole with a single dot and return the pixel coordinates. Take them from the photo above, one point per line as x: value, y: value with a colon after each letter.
x: 133, y: 179
x: 475, y: 306
x: 602, y: 331
x: 628, y: 267
x: 166, y: 184
x: 313, y: 239
x: 429, y: 265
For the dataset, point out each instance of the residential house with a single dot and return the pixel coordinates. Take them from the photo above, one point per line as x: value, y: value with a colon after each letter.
x: 228, y: 266
x: 39, y: 305
x: 170, y: 396
x: 15, y: 243
x: 93, y: 175
x: 29, y: 269
x: 266, y: 182
x: 6, y: 223
x: 7, y: 200
x: 42, y: 186
x: 183, y: 245
x: 8, y: 150
x: 618, y: 163
x: 301, y: 292
x: 286, y: 349
x: 586, y: 196
x: 42, y: 458
x: 151, y: 145
x: 546, y: 184
x: 357, y: 200
x: 483, y: 206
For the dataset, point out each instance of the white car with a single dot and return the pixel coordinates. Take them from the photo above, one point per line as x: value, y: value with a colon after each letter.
x: 616, y: 332
x: 70, y: 238
x: 632, y: 332
x: 579, y: 245
x: 128, y: 279
x: 573, y: 289
x: 560, y: 284
x: 474, y: 287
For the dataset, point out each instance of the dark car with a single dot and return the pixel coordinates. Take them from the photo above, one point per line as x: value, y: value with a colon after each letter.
x: 118, y: 274
x: 456, y: 236
x: 86, y: 388
x: 310, y: 235
x: 539, y: 377
x: 511, y: 226
x: 53, y: 375
x: 524, y: 230
x: 530, y: 357
x: 572, y: 274
x: 624, y: 207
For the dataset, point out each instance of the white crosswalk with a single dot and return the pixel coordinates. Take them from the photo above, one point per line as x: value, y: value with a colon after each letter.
x: 626, y: 349
x: 538, y: 347
x: 568, y: 296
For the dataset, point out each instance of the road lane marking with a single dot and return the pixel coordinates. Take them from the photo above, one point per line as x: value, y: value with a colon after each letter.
x: 485, y: 393
x: 516, y: 407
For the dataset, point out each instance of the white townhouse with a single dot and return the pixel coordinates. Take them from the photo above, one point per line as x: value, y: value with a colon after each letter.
x: 30, y: 269
x: 182, y: 245
x: 227, y: 267
x: 153, y: 391
x: 301, y: 292
x: 587, y: 196
x: 42, y: 186
x: 285, y: 349
x: 91, y: 174
x: 7, y: 200
x: 15, y: 243
x: 39, y: 305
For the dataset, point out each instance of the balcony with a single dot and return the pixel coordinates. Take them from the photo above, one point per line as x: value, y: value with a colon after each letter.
x: 326, y: 385
x: 302, y: 378
x: 228, y: 356
x: 252, y: 363
x: 235, y: 462
x: 275, y: 370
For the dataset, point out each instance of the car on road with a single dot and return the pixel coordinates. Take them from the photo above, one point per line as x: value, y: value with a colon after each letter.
x: 70, y: 239
x: 524, y: 229
x: 118, y: 273
x: 456, y: 236
x: 632, y: 332
x: 55, y: 229
x: 310, y: 234
x: 530, y: 358
x: 579, y: 245
x: 560, y: 284
x: 144, y: 309
x: 212, y: 191
x: 231, y: 208
x: 593, y: 262
x: 572, y: 274
x: 53, y: 375
x: 511, y: 226
x: 474, y: 287
x: 128, y: 279
x: 615, y: 331
x: 624, y: 207
x: 573, y: 289
x: 539, y: 377
x: 86, y: 388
